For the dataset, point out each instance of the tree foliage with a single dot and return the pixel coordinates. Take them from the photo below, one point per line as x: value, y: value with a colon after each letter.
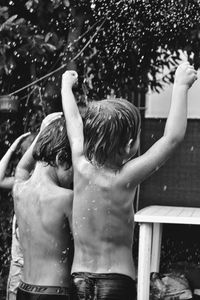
x: 137, y: 40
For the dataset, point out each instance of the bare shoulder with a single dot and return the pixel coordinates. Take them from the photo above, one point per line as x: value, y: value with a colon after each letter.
x: 18, y: 186
x: 65, y: 195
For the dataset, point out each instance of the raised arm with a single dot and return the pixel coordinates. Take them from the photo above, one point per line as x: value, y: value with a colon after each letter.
x: 139, y: 168
x: 7, y: 182
x: 27, y: 162
x: 73, y: 118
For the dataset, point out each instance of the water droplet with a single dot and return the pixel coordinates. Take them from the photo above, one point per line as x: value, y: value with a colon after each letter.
x: 164, y: 188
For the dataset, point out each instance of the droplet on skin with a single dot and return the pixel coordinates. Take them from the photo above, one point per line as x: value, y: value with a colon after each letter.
x: 164, y: 188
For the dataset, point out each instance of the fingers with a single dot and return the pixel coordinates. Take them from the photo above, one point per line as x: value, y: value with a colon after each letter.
x: 50, y: 118
x: 70, y: 77
x: 72, y: 73
x: 17, y: 142
x: 53, y: 118
x: 54, y: 115
x: 186, y: 74
x: 192, y: 74
x: 25, y: 134
x: 186, y: 64
x: 191, y: 71
x: 188, y: 68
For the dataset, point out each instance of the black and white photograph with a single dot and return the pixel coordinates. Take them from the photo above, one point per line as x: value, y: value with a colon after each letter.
x: 100, y: 150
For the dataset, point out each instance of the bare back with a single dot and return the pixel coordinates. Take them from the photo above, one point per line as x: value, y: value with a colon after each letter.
x: 44, y: 230
x: 103, y: 221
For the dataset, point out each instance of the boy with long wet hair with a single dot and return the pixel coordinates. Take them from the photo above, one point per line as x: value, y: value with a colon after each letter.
x: 109, y: 125
x: 43, y: 204
x: 106, y: 175
x: 53, y: 145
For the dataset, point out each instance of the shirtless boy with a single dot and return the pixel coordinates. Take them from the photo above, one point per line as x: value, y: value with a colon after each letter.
x: 43, y: 205
x: 6, y: 182
x: 105, y: 179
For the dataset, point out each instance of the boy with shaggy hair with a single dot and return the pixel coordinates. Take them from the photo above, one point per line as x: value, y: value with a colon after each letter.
x: 105, y: 179
x: 43, y: 204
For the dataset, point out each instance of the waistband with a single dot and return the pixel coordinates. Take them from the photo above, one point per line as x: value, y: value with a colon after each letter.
x: 48, y: 290
x: 112, y: 276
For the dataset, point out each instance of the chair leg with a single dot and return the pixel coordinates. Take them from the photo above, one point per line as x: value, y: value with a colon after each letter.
x: 156, y: 247
x: 145, y: 236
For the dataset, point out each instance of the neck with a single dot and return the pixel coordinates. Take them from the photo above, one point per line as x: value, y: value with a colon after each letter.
x: 43, y: 171
x: 114, y: 164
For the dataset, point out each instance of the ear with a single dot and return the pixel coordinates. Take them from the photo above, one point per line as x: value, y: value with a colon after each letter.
x: 61, y: 163
x: 57, y: 160
x: 128, y: 147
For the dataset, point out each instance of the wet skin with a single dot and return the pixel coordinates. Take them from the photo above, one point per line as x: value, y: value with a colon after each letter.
x: 43, y: 211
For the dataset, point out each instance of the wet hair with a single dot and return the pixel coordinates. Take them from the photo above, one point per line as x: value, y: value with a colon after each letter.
x: 108, y: 127
x: 52, y: 142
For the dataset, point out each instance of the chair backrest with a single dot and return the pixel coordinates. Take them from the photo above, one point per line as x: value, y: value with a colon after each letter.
x: 178, y: 181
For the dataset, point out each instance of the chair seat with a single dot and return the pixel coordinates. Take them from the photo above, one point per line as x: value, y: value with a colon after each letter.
x: 168, y: 214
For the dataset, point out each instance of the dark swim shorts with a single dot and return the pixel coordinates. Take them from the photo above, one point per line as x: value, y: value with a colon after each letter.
x: 94, y: 286
x: 39, y: 292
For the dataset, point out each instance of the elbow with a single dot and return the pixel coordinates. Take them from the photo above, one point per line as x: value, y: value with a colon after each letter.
x: 175, y: 136
x: 175, y: 141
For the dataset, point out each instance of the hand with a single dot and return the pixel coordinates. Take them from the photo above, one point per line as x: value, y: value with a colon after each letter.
x: 18, y: 141
x: 185, y: 75
x: 69, y: 78
x: 50, y: 118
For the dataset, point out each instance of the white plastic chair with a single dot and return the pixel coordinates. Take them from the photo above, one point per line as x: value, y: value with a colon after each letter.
x: 150, y: 220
